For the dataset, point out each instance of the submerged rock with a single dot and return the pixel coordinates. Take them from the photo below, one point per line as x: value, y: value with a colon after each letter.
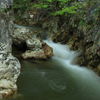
x: 38, y: 50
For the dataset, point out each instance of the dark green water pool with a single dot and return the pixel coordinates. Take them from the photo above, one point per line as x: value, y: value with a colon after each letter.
x: 48, y: 80
x: 57, y: 79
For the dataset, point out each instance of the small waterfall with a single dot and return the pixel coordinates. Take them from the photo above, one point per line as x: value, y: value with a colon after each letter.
x: 85, y: 79
x: 66, y: 57
x: 59, y: 78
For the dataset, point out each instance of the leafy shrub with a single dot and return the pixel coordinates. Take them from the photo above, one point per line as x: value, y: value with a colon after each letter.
x: 22, y: 5
x: 59, y: 7
x: 56, y: 7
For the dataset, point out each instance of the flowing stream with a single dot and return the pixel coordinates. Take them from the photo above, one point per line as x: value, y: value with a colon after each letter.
x: 59, y: 78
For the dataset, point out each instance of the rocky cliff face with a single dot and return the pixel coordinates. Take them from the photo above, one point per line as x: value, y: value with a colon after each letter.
x: 9, y: 65
x: 81, y: 31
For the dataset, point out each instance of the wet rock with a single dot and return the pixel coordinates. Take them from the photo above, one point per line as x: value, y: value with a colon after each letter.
x: 38, y: 50
x: 48, y: 51
x: 39, y: 54
x: 34, y: 44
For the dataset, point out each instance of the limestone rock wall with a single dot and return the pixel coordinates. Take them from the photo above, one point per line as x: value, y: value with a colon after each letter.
x: 9, y: 65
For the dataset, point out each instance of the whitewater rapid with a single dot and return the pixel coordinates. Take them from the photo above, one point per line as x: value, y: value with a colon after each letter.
x: 82, y: 76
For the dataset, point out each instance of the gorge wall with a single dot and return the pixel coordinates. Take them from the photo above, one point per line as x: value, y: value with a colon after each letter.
x: 9, y: 65
x: 80, y: 31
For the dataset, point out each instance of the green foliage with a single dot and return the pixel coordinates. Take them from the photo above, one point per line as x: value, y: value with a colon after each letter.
x: 55, y: 7
x: 64, y: 8
x: 22, y: 4
x: 59, y: 7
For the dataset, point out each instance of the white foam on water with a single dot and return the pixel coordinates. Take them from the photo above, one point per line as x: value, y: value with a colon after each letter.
x: 82, y: 75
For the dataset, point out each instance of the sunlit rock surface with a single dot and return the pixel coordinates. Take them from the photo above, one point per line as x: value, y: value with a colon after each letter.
x: 37, y: 50
x: 20, y: 35
x: 9, y: 72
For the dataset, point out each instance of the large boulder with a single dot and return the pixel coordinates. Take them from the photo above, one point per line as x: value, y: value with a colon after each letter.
x: 34, y: 44
x: 34, y: 54
x: 20, y: 35
x: 9, y: 72
x: 37, y: 50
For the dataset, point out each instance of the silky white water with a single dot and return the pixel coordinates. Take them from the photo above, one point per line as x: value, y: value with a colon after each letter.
x: 58, y: 78
x: 85, y: 78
